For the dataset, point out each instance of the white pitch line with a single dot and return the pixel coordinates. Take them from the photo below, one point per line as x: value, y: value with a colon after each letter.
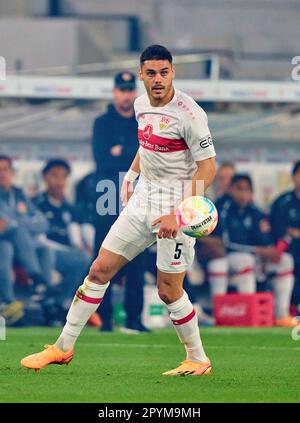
x: 212, y: 331
x: 253, y: 347
x: 233, y: 347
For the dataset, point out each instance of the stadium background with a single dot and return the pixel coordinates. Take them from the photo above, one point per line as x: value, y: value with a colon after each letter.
x: 234, y: 57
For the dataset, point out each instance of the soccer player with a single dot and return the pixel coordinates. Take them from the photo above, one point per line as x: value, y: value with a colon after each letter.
x: 174, y: 145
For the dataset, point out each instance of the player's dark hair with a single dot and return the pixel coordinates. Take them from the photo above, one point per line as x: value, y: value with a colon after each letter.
x: 242, y: 177
x: 56, y: 163
x: 156, y: 52
x: 296, y: 168
x: 7, y: 159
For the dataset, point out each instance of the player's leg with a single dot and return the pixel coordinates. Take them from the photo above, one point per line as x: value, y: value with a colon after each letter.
x: 173, y: 259
x: 282, y: 282
x: 242, y: 266
x: 86, y: 301
x: 89, y: 296
x: 114, y: 254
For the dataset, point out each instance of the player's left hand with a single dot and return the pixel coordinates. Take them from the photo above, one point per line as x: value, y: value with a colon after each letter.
x: 168, y: 226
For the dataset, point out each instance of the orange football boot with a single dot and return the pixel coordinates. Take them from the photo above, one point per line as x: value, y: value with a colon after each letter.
x: 95, y: 320
x: 191, y: 368
x: 287, y: 322
x: 50, y: 355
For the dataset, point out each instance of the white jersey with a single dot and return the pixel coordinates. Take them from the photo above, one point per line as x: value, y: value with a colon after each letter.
x: 171, y: 139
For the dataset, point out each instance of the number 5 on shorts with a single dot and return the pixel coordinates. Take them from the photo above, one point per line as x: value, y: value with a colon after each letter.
x: 178, y: 250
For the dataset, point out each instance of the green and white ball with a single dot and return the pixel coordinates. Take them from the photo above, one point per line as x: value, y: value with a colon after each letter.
x: 197, y: 216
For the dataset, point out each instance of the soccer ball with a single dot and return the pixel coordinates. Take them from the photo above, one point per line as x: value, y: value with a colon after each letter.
x: 197, y: 216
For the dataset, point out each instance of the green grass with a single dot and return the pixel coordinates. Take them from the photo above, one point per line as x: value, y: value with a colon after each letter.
x: 249, y: 365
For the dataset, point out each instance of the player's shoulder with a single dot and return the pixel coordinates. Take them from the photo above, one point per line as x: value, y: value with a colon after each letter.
x: 40, y: 199
x: 188, y: 107
x: 141, y: 101
x: 283, y: 199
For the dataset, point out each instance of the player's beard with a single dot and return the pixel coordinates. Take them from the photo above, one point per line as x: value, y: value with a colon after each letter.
x: 160, y: 94
x: 165, y: 91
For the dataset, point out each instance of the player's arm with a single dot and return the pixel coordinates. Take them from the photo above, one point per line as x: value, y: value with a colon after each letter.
x: 205, y: 174
x: 130, y: 177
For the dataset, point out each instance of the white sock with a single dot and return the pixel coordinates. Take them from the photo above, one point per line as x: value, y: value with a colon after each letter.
x: 185, y: 321
x: 218, y: 275
x: 282, y: 284
x: 244, y: 278
x: 86, y: 301
x: 245, y: 281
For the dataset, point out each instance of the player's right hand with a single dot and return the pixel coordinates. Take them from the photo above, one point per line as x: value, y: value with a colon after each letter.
x: 126, y: 192
x: 168, y: 226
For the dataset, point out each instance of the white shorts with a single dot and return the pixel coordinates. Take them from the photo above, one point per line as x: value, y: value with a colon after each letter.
x: 132, y: 233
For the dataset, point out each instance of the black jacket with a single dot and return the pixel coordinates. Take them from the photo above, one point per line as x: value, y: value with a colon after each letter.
x: 112, y: 129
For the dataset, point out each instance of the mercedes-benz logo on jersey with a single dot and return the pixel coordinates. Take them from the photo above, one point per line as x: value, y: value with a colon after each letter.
x: 147, y: 131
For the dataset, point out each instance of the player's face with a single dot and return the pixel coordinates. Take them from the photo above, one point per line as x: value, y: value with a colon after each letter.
x: 56, y: 180
x: 241, y: 193
x: 6, y: 175
x: 124, y: 99
x: 158, y: 76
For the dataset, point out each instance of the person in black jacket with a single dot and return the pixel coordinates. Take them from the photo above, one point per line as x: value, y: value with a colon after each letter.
x: 114, y: 147
x: 285, y: 223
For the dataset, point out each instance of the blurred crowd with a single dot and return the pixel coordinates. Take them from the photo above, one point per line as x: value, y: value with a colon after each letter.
x: 47, y: 243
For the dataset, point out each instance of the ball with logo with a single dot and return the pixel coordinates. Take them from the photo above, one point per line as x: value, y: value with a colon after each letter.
x: 197, y: 216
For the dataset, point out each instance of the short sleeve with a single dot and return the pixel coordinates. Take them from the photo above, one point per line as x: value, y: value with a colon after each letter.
x: 197, y: 135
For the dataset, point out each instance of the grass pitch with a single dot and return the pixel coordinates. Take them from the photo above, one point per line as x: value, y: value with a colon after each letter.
x: 249, y: 365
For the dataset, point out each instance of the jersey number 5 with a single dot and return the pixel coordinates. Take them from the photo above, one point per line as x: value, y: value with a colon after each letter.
x: 178, y: 250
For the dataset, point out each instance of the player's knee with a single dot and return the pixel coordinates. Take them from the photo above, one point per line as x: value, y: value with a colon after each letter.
x: 167, y: 293
x: 99, y: 272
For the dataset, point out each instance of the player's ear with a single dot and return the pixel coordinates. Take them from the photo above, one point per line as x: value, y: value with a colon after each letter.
x: 140, y: 74
x: 173, y: 71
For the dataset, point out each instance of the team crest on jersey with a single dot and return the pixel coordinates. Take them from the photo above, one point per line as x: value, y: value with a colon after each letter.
x: 147, y: 131
x: 164, y: 122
